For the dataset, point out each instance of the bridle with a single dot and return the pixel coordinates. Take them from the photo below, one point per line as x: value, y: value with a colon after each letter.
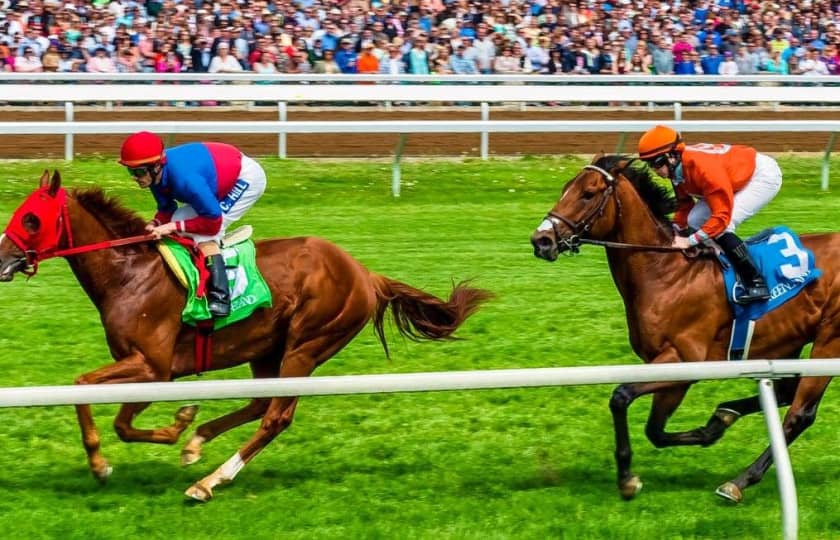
x: 572, y: 242
x: 63, y: 231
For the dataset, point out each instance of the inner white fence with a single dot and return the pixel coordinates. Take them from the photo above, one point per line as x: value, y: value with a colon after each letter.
x: 764, y: 371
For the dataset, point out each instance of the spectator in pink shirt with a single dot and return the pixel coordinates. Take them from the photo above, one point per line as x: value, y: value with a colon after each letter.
x: 28, y: 63
x: 100, y: 62
x: 681, y: 47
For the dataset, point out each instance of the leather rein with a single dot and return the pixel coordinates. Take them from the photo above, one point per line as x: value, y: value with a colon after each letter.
x: 573, y: 242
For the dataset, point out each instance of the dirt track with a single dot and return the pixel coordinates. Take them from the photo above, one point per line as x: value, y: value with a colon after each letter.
x: 364, y: 145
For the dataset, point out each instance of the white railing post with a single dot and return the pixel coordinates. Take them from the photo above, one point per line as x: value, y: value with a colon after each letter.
x: 68, y: 137
x: 281, y: 137
x: 781, y: 458
x: 827, y: 161
x: 396, y: 173
x: 677, y: 111
x: 485, y: 136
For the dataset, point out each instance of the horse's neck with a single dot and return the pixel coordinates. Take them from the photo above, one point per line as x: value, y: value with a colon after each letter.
x: 101, y: 273
x: 637, y: 271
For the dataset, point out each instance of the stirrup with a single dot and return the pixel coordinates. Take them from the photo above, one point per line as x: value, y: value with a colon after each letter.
x: 754, y: 293
x: 218, y: 310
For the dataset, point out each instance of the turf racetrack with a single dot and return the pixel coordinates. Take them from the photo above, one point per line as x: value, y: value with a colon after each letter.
x: 533, y: 463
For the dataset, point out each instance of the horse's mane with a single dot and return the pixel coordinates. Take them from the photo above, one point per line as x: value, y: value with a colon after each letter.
x: 658, y: 198
x: 119, y: 220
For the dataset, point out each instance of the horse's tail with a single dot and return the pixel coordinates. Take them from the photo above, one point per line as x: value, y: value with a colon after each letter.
x: 419, y: 315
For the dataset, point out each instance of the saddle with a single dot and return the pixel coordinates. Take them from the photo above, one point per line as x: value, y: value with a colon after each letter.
x: 248, y: 289
x: 787, y: 266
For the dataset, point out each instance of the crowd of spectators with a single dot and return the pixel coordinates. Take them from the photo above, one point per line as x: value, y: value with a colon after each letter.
x: 725, y: 37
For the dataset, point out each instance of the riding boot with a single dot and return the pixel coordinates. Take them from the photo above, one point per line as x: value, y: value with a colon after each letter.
x: 218, y: 289
x: 755, y: 288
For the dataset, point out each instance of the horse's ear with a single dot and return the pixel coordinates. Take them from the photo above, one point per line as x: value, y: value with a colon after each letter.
x: 597, y: 156
x: 55, y: 183
x: 45, y: 178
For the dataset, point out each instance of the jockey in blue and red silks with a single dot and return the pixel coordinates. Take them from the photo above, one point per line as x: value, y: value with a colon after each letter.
x: 215, y: 182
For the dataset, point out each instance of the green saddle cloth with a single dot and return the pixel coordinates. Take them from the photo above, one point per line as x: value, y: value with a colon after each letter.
x: 248, y: 289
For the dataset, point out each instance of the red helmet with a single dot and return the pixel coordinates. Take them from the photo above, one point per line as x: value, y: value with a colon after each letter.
x: 141, y: 148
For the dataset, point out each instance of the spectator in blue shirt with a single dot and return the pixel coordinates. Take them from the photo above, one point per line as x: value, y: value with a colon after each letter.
x: 712, y: 61
x: 460, y: 65
x: 346, y: 57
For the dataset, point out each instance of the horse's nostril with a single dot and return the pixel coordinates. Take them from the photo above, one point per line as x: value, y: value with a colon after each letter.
x: 544, y: 241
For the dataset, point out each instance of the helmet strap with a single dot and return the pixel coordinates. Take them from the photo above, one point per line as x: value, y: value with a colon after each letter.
x: 674, y: 162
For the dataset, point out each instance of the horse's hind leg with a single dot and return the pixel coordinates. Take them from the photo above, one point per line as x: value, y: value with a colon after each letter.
x: 252, y: 411
x: 801, y: 414
x: 167, y: 435
x: 299, y: 361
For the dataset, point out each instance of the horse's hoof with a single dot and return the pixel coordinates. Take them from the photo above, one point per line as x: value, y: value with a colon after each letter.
x: 189, y: 457
x: 191, y: 452
x: 199, y: 492
x: 186, y: 414
x: 102, y: 473
x: 727, y: 416
x: 630, y: 487
x: 730, y: 492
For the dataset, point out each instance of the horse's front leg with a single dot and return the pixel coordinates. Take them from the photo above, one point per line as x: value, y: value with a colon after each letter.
x: 727, y: 413
x: 132, y: 368
x: 623, y: 396
x: 166, y: 435
x: 628, y: 483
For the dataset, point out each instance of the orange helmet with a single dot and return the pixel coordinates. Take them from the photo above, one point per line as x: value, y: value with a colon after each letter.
x: 659, y: 140
x: 141, y: 148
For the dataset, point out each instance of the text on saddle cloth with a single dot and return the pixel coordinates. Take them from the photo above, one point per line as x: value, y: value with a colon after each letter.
x: 787, y: 266
x: 248, y: 289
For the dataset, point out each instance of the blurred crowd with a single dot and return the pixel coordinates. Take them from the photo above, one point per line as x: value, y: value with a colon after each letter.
x: 726, y: 37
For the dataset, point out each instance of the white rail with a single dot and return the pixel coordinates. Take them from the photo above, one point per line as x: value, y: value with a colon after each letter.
x: 310, y: 93
x: 762, y: 370
x: 484, y: 127
x: 413, y: 382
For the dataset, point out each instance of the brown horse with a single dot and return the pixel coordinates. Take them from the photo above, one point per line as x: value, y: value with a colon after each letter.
x: 676, y: 310
x: 321, y: 296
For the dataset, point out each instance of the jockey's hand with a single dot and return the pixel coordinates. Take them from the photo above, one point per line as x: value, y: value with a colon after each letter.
x: 162, y: 230
x: 151, y: 225
x: 681, y: 242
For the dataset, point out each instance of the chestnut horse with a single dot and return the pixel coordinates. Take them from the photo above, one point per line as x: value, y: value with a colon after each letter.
x: 676, y: 310
x: 321, y: 296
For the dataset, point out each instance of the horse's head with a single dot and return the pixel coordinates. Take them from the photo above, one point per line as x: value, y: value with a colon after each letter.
x: 35, y: 229
x: 583, y: 211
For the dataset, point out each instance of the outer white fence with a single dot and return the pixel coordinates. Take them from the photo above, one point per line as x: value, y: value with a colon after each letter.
x: 763, y: 370
x: 455, y: 92
x: 484, y: 127
x: 285, y: 89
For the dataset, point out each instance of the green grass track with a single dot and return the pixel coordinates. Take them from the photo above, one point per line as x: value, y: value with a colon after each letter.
x: 531, y: 463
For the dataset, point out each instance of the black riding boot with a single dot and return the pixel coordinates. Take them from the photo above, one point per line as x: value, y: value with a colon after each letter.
x: 755, y: 288
x: 218, y: 289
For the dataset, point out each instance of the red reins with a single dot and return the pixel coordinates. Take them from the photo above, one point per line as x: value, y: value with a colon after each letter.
x: 99, y: 245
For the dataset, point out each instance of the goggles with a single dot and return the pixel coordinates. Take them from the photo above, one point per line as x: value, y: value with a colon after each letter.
x: 139, y: 172
x: 659, y: 161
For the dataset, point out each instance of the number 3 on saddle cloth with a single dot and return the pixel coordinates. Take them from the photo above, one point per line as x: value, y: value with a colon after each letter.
x: 787, y: 267
x: 248, y: 289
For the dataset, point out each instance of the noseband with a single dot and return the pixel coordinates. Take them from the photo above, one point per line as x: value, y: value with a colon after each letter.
x: 573, y: 242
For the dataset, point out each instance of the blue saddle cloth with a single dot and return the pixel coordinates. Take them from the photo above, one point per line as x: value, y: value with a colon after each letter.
x: 786, y: 265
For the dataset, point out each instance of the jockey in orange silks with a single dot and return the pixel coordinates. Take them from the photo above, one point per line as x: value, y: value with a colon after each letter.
x: 718, y: 186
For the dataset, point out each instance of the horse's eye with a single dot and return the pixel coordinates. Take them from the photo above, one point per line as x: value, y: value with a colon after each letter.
x: 587, y: 195
x: 31, y: 223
